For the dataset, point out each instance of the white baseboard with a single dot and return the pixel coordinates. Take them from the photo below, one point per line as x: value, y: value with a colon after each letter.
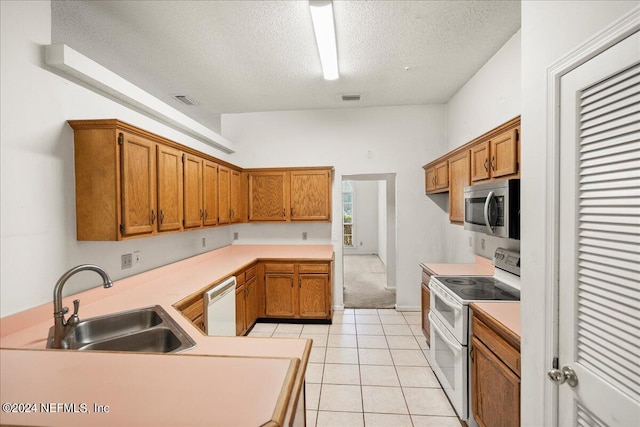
x: 338, y: 307
x: 408, y: 308
x: 390, y: 288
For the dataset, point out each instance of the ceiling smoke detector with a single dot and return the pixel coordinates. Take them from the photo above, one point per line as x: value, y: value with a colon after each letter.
x: 185, y: 99
x: 351, y: 97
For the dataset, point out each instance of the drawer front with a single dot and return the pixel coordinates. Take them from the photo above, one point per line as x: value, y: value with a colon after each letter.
x: 425, y: 277
x: 250, y: 273
x: 313, y: 268
x: 502, y: 349
x: 278, y: 268
x: 240, y: 279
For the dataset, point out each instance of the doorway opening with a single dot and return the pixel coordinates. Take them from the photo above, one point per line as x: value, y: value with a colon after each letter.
x: 369, y: 240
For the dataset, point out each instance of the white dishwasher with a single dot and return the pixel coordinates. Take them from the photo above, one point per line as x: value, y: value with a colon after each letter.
x: 220, y: 309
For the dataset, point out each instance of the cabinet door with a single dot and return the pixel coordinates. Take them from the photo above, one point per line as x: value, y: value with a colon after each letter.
x: 241, y: 326
x: 193, y: 210
x: 210, y: 192
x: 251, y: 298
x: 504, y: 154
x: 458, y: 179
x: 480, y: 161
x: 426, y: 305
x: 310, y: 195
x: 169, y: 188
x: 442, y: 175
x: 267, y: 192
x: 313, y: 295
x: 235, y: 196
x: 138, y: 184
x: 224, y: 189
x: 430, y: 179
x: 279, y: 295
x: 495, y: 389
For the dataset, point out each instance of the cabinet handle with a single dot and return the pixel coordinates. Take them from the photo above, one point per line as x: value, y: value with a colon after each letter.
x: 161, y: 218
x: 201, y: 214
x: 230, y: 214
x: 433, y: 180
x: 291, y: 211
x: 153, y: 216
x: 493, y: 163
x: 300, y: 283
x: 206, y: 214
x: 284, y: 215
x: 471, y: 353
x: 486, y: 165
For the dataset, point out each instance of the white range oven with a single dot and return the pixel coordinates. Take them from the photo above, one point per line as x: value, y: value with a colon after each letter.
x: 449, y: 316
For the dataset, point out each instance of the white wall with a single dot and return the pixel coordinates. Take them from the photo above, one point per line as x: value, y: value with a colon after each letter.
x: 400, y: 139
x: 490, y: 98
x: 382, y: 221
x: 365, y: 218
x: 38, y: 241
x: 549, y: 31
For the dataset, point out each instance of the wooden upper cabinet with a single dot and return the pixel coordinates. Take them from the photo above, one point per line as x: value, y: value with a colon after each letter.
x: 310, y: 195
x: 267, y: 195
x: 458, y: 179
x: 210, y: 193
x: 504, y: 153
x: 193, y: 207
x: 224, y: 195
x: 235, y: 196
x: 138, y: 183
x: 300, y: 194
x: 437, y: 177
x: 480, y: 161
x: 169, y: 168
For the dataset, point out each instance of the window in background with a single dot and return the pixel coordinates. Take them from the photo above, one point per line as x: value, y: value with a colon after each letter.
x: 347, y: 214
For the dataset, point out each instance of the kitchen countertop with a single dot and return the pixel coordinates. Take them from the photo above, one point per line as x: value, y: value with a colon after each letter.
x: 28, y: 330
x: 506, y: 314
x: 482, y: 267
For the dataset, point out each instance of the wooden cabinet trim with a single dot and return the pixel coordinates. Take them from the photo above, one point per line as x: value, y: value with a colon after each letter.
x: 279, y: 268
x: 313, y: 268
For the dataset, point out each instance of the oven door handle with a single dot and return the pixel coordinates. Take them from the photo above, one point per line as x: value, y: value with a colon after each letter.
x: 452, y: 345
x: 444, y: 298
x: 487, y: 202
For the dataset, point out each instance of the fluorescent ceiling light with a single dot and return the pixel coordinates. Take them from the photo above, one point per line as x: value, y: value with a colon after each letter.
x: 322, y: 16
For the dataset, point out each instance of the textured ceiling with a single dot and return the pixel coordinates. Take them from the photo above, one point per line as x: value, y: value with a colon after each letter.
x: 245, y: 56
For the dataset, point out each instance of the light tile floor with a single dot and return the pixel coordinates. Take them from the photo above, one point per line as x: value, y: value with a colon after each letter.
x: 368, y: 369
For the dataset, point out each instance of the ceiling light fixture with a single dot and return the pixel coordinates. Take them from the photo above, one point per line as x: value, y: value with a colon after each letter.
x: 323, y: 26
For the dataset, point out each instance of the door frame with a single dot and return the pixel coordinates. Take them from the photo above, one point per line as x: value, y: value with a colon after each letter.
x: 612, y: 34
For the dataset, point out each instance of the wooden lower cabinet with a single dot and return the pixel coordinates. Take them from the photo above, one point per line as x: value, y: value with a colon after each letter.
x: 426, y: 302
x: 193, y: 309
x: 495, y: 377
x: 298, y: 291
x: 241, y: 325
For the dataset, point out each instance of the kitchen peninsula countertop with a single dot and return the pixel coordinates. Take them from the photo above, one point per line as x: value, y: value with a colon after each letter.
x: 157, y: 389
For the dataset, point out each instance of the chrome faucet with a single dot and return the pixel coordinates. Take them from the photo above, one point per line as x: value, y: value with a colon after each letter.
x: 61, y: 326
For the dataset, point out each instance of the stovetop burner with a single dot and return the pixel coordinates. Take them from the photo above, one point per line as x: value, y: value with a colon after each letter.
x: 479, y: 288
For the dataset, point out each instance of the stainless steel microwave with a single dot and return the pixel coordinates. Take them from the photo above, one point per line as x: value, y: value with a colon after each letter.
x: 493, y: 208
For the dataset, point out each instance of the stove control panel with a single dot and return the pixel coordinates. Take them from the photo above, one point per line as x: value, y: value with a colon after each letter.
x: 508, y: 260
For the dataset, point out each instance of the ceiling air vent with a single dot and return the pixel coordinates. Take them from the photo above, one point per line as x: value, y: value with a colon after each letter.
x: 185, y: 99
x: 351, y: 97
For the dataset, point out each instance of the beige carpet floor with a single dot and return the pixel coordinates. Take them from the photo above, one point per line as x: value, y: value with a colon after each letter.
x: 365, y: 278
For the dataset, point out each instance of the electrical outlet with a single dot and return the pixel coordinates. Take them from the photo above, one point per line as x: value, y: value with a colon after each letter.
x: 136, y: 258
x: 126, y: 261
x: 235, y: 235
x: 304, y: 235
x: 482, y: 244
x: 204, y: 242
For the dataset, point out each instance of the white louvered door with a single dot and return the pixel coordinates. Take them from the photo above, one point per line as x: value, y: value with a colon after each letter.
x: 599, y: 239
